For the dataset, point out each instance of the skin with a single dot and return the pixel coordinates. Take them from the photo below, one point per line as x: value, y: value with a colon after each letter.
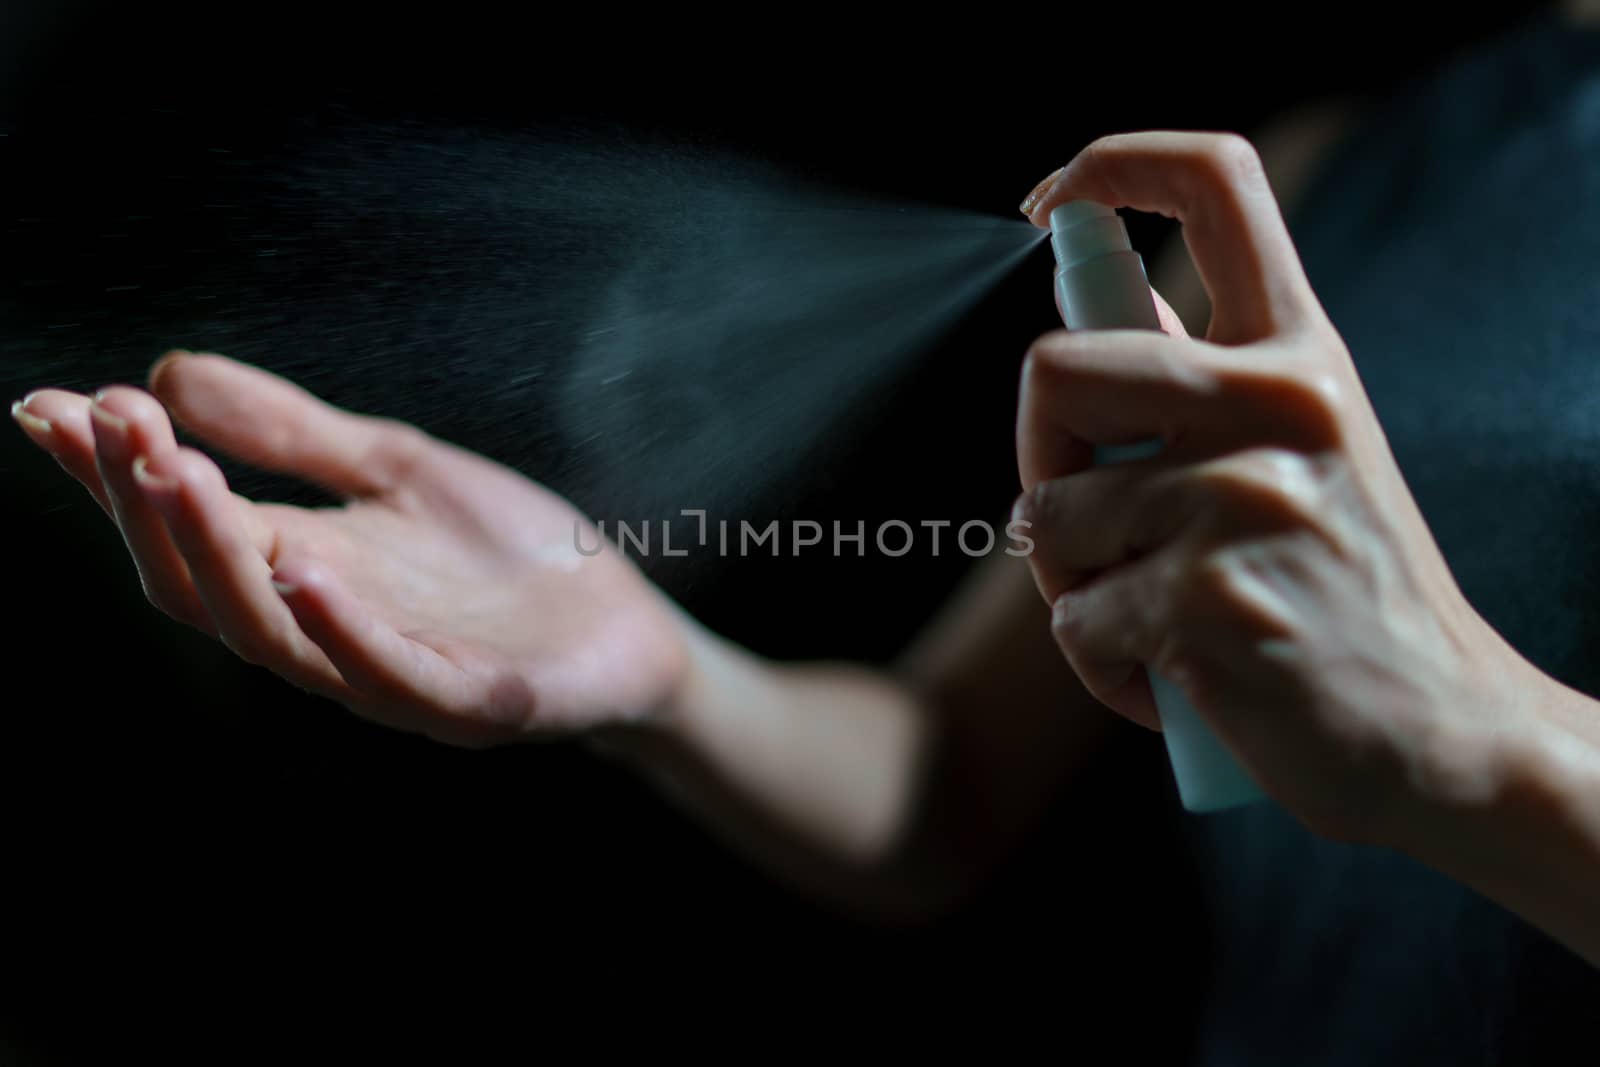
x: 1273, y: 564
x: 1270, y: 561
x: 445, y: 597
x: 394, y: 604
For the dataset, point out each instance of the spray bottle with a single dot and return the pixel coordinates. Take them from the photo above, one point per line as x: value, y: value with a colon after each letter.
x: 1101, y: 284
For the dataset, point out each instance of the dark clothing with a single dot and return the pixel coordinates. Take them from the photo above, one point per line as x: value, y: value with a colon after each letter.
x: 1455, y: 241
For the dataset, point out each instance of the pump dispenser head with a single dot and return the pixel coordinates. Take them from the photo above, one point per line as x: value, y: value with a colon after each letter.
x: 1100, y: 279
x: 1083, y: 229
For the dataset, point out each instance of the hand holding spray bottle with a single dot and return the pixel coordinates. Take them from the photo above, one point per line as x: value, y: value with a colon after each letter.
x: 1101, y: 283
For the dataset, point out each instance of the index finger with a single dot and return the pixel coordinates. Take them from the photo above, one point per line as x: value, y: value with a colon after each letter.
x: 1105, y: 388
x: 272, y: 423
x: 1213, y: 184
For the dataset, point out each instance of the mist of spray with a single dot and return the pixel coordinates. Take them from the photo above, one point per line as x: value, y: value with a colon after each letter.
x: 743, y: 328
x: 643, y: 327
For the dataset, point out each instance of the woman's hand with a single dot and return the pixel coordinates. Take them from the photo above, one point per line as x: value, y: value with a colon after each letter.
x: 1270, y: 560
x: 450, y: 596
x: 446, y: 597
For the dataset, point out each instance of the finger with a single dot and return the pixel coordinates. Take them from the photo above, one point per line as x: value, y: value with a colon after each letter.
x: 1113, y: 515
x: 1108, y: 661
x: 1111, y: 627
x: 1101, y: 518
x: 1108, y: 387
x: 130, y: 429
x: 1121, y: 387
x: 1190, y: 612
x: 1215, y: 185
x: 271, y: 423
x: 407, y: 681
x: 58, y: 422
x: 231, y: 575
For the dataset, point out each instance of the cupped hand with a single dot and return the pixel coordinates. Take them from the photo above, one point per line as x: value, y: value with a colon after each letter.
x: 1270, y: 560
x: 448, y: 595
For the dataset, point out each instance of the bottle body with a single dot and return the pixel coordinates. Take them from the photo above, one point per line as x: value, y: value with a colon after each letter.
x: 1109, y: 292
x: 1101, y: 285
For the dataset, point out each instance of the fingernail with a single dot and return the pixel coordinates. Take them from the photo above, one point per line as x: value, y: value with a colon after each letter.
x: 96, y: 411
x: 149, y: 480
x: 1039, y: 190
x: 285, y: 588
x: 25, y: 418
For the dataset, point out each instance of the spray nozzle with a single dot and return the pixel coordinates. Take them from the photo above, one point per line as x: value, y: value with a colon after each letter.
x: 1081, y: 230
x: 1100, y: 281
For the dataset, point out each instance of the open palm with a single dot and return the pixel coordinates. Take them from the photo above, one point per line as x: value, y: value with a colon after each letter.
x: 447, y: 596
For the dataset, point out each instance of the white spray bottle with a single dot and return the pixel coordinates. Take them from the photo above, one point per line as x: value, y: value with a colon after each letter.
x: 1101, y: 283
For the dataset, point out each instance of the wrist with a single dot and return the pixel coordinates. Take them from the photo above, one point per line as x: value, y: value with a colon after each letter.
x: 674, y: 719
x: 1514, y: 794
x: 1529, y: 838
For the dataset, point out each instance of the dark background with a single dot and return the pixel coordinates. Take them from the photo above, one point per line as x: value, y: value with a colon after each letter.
x: 183, y: 838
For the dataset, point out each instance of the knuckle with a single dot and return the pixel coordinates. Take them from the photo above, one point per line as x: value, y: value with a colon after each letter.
x: 399, y: 450
x: 1315, y: 401
x: 1212, y: 582
x: 1083, y: 647
x: 1279, y: 482
x: 1067, y: 623
x: 401, y: 437
x: 1232, y: 161
x: 1214, y: 593
x: 1323, y: 392
x: 1036, y: 506
x: 1097, y: 154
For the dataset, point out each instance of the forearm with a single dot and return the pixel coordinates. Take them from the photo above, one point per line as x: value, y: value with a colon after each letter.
x: 815, y: 770
x: 890, y: 791
x: 1531, y: 842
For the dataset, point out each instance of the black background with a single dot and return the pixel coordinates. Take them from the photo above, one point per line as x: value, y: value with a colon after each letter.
x: 186, y: 839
